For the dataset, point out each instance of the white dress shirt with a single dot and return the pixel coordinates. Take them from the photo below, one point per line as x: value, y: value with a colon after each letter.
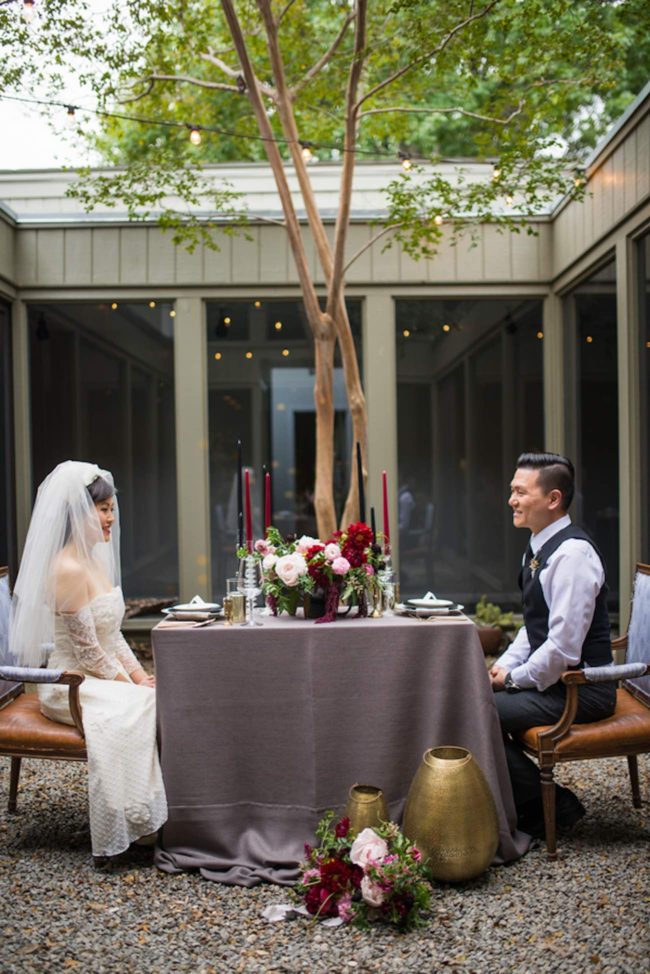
x: 571, y: 580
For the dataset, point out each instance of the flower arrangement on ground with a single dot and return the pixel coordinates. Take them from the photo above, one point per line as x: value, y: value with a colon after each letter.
x: 375, y: 876
x: 344, y: 567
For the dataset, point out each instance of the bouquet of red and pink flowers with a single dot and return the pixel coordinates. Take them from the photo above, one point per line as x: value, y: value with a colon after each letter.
x: 344, y: 568
x: 377, y: 875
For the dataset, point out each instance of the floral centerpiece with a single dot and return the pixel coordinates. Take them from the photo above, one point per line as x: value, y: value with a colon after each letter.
x: 377, y: 875
x: 344, y: 568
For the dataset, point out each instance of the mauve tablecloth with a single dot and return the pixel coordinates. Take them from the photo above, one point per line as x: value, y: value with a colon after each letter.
x: 262, y: 730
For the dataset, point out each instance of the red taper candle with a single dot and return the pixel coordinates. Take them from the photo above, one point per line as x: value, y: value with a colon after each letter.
x: 267, y: 500
x: 249, y: 519
x: 384, y: 489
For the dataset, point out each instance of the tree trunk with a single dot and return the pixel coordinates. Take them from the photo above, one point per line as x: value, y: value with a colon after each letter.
x: 324, y: 344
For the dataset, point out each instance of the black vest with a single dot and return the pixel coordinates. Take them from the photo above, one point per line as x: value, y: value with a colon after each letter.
x: 597, y: 647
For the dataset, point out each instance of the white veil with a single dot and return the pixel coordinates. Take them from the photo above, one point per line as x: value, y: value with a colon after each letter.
x: 64, y: 515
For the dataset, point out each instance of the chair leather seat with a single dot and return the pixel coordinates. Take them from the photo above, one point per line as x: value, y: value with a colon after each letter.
x: 626, y: 731
x: 25, y: 732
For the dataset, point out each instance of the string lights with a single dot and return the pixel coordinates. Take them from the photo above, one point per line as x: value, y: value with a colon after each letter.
x: 197, y: 132
x: 406, y: 161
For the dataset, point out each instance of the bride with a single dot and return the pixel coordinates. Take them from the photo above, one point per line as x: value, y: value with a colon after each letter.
x: 67, y: 609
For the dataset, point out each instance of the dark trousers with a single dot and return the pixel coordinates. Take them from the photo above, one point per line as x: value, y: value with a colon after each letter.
x: 530, y: 708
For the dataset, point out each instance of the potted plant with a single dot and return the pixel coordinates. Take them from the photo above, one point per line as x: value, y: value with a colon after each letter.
x: 492, y: 623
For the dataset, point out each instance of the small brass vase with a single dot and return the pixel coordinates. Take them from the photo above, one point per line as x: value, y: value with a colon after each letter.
x: 451, y: 816
x: 366, y: 807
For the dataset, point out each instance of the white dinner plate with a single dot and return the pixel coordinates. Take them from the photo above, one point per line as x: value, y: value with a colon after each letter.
x: 190, y: 615
x: 431, y: 603
x: 195, y: 607
x: 409, y: 610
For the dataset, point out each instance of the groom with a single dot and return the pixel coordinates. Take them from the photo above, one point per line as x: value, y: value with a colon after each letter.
x: 566, y: 626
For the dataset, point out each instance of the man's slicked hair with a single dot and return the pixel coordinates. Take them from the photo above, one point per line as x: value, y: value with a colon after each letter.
x: 555, y: 473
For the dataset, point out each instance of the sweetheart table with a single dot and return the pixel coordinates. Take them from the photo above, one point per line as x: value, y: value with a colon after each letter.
x: 262, y: 730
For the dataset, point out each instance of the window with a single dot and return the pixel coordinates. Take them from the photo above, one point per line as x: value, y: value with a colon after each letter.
x: 593, y: 337
x: 102, y: 390
x: 261, y: 391
x: 8, y: 553
x: 644, y: 354
x: 470, y: 399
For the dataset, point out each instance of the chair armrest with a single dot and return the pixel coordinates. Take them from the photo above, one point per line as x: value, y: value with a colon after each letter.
x: 605, y: 674
x: 27, y: 674
x: 620, y: 643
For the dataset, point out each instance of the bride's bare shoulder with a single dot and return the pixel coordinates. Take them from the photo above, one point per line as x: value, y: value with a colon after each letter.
x: 71, y: 582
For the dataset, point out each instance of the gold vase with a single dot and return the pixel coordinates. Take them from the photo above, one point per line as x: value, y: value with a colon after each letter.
x: 451, y: 816
x: 366, y: 807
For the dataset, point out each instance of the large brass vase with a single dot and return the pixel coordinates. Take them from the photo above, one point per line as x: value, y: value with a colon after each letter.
x: 366, y: 807
x: 451, y: 816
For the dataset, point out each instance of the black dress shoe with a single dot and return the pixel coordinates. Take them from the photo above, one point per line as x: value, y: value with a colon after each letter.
x: 568, y: 811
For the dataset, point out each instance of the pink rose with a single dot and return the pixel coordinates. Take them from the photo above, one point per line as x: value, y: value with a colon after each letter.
x: 340, y: 566
x: 305, y: 543
x: 264, y: 547
x: 268, y: 562
x: 371, y: 892
x: 344, y: 908
x: 332, y: 551
x: 368, y: 847
x: 369, y: 569
x: 290, y: 569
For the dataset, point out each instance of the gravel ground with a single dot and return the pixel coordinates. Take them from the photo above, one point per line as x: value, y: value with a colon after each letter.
x: 589, y: 911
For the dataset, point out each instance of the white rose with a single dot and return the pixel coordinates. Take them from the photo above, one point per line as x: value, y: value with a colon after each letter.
x: 332, y: 551
x: 268, y: 562
x: 305, y: 543
x: 371, y: 892
x: 290, y: 568
x: 368, y: 847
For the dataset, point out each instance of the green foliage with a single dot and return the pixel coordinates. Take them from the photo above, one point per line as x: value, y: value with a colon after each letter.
x: 528, y: 83
x: 489, y: 614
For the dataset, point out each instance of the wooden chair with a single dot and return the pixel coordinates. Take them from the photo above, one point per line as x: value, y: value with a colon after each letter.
x: 625, y: 734
x: 24, y: 731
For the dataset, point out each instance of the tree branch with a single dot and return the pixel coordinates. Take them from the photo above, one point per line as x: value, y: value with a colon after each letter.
x: 188, y: 80
x: 284, y: 11
x: 327, y: 56
x: 211, y: 58
x: 425, y: 57
x: 447, y: 111
x: 369, y: 243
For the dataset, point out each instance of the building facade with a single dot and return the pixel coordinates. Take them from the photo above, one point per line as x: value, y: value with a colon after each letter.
x: 119, y: 347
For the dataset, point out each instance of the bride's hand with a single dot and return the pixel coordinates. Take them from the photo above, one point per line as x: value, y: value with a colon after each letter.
x: 141, y: 677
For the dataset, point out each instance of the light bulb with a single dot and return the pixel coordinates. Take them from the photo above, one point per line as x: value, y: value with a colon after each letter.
x: 540, y: 334
x: 249, y: 354
x: 509, y: 201
x: 438, y: 219
x: 285, y: 352
x: 496, y: 173
x: 195, y: 135
x: 70, y: 116
x: 28, y: 10
x: 307, y: 154
x: 278, y: 326
x: 446, y: 328
x: 405, y: 159
x: 152, y: 304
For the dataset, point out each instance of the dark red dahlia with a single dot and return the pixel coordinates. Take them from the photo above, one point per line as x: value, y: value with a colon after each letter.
x: 342, y: 828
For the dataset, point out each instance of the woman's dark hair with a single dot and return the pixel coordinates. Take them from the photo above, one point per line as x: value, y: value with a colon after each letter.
x: 555, y: 473
x: 100, y: 490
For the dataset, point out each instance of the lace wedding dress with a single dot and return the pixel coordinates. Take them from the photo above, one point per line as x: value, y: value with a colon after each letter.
x: 125, y: 788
